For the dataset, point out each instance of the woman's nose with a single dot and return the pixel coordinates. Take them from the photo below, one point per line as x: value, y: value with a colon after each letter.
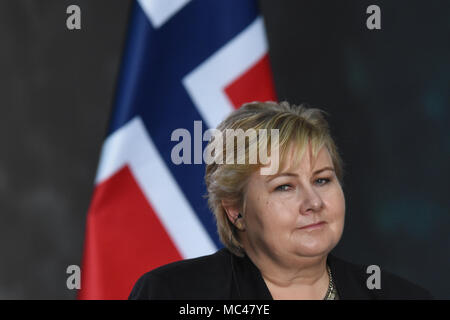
x: 311, y: 201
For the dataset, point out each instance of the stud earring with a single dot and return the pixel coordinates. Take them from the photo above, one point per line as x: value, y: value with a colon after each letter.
x: 239, y: 223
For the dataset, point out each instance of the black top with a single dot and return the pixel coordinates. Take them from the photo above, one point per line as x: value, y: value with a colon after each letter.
x: 224, y: 275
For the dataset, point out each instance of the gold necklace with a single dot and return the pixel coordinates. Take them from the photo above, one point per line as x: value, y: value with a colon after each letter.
x: 331, y: 292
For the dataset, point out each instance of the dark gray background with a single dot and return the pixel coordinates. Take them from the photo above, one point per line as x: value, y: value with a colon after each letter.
x: 387, y: 93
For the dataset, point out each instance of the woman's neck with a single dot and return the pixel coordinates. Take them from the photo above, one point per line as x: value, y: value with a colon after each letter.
x: 295, y: 277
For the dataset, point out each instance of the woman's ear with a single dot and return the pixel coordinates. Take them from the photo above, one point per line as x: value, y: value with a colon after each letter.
x: 233, y: 214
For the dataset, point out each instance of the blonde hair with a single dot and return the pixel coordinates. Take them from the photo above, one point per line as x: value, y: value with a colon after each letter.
x: 299, y: 127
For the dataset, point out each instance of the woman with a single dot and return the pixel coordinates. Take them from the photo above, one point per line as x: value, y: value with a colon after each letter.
x: 278, y: 229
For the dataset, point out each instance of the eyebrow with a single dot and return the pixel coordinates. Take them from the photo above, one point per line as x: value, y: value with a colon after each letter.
x: 291, y: 174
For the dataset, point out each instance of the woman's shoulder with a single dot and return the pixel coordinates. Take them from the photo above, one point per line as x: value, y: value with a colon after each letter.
x: 358, y: 281
x: 186, y: 279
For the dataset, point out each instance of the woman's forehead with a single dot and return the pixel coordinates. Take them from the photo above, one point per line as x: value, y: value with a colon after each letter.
x: 296, y: 158
x: 297, y: 161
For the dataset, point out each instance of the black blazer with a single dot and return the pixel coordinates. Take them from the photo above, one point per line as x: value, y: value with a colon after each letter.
x: 223, y: 275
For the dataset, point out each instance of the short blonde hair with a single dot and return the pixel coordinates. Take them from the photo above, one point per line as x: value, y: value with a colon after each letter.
x: 298, y: 126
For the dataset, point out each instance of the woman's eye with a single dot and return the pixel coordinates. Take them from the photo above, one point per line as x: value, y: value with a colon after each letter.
x: 283, y: 187
x: 322, y: 181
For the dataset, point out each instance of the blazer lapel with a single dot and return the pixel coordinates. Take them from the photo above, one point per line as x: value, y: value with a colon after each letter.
x: 350, y: 283
x: 248, y: 282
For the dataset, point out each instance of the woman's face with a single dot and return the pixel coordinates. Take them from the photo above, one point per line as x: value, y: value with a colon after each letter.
x: 281, y: 208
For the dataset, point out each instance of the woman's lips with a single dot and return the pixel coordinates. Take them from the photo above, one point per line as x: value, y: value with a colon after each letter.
x: 313, y: 226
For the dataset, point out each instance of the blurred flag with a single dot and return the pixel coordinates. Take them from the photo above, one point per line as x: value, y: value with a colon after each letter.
x: 184, y: 60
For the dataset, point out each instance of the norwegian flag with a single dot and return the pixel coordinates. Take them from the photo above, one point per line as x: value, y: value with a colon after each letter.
x: 184, y: 61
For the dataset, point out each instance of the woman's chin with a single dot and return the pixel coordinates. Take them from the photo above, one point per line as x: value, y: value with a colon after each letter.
x: 314, y: 248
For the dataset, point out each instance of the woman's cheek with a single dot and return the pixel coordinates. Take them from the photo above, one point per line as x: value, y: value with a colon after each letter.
x: 337, y: 199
